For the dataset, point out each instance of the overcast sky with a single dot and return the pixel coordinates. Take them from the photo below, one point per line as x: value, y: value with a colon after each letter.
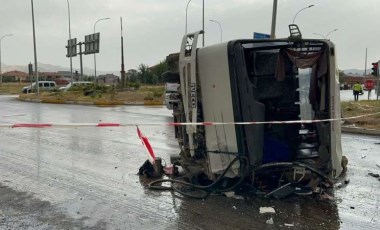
x: 154, y: 28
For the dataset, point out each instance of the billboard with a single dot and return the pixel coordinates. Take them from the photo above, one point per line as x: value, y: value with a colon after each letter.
x: 91, y: 43
x: 71, y: 48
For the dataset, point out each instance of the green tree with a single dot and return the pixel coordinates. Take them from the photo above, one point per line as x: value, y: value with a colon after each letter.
x: 159, y: 69
x: 132, y: 75
x: 341, y: 75
x: 145, y: 75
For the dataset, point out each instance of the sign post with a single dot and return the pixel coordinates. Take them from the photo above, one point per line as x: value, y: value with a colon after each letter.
x: 369, y: 85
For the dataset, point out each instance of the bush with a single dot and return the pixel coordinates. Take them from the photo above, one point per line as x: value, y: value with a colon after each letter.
x: 134, y: 85
x: 95, y: 94
x: 149, y: 97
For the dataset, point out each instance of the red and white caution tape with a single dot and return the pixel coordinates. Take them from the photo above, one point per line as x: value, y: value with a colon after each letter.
x: 102, y: 124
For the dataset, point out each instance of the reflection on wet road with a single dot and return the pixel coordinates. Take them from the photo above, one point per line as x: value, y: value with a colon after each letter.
x: 86, y: 178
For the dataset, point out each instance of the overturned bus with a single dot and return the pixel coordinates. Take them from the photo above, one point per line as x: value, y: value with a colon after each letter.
x: 260, y: 113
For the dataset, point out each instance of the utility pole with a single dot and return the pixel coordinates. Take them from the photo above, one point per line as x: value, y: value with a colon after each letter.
x: 123, y: 80
x: 365, y: 65
x: 274, y: 15
x: 203, y: 24
x: 378, y: 82
x: 35, y: 50
x: 81, y: 63
x: 71, y: 58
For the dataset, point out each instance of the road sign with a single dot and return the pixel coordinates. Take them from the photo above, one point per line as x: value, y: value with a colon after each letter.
x: 369, y: 84
x: 260, y: 36
x: 71, y: 48
x: 91, y: 43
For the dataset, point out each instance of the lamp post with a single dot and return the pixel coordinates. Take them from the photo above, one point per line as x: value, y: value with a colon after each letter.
x: 274, y: 16
x: 35, y: 50
x: 1, y: 73
x: 203, y: 20
x: 327, y: 35
x: 330, y: 32
x: 203, y: 23
x: 71, y: 59
x: 221, y: 31
x: 320, y: 35
x: 187, y: 6
x: 94, y: 53
x: 300, y: 11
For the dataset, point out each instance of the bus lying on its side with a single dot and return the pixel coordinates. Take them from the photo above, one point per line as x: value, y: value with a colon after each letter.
x: 282, y: 83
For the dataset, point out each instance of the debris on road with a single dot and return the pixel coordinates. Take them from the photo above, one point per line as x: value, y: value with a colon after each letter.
x: 267, y: 210
x: 338, y: 185
x: 270, y: 221
x: 374, y: 175
x: 233, y: 195
x: 325, y: 196
x: 229, y: 194
x: 364, y: 156
x: 288, y: 225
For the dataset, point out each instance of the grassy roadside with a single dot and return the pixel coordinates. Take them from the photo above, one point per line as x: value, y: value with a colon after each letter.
x: 11, y: 88
x: 147, y: 95
x: 357, y: 108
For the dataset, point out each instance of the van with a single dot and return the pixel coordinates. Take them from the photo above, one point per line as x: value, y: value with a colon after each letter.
x: 76, y: 84
x: 42, y: 85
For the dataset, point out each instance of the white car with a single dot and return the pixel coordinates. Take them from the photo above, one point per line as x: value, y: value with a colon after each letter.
x: 43, y: 86
x: 171, y: 95
x: 76, y: 83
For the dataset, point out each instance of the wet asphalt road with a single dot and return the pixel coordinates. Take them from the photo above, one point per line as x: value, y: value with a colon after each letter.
x: 85, y: 178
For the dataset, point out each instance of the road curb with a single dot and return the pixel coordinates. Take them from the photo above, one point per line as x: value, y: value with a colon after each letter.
x: 91, y: 103
x: 355, y: 130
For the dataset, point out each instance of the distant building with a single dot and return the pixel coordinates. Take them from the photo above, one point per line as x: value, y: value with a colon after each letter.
x: 66, y: 73
x: 63, y: 80
x: 348, y: 81
x: 49, y: 76
x: 108, y: 79
x: 15, y: 76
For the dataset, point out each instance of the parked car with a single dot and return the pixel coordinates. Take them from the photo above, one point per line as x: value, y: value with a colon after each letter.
x: 171, y: 95
x: 75, y: 84
x: 43, y: 86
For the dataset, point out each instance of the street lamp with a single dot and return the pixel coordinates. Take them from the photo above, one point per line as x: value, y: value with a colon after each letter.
x: 300, y: 11
x: 327, y: 35
x: 187, y: 6
x: 35, y: 50
x: 71, y: 59
x: 323, y: 36
x: 1, y: 74
x: 203, y: 20
x: 274, y: 16
x: 330, y: 32
x: 221, y: 31
x: 94, y: 53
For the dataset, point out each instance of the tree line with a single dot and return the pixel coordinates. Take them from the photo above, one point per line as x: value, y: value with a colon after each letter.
x: 148, y: 75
